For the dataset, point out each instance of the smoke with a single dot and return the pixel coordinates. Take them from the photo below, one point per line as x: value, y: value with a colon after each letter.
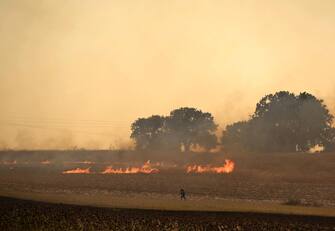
x: 120, y: 143
x: 61, y: 59
x: 25, y: 139
x: 3, y: 145
x: 330, y: 101
x: 63, y: 140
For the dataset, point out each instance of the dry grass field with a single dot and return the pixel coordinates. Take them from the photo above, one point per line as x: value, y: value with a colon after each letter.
x: 292, y: 183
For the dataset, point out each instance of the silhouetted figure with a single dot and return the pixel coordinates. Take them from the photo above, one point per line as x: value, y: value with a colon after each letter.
x: 182, y: 194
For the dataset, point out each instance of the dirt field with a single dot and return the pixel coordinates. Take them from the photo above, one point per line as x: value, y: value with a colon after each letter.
x: 27, y: 215
x: 260, y: 182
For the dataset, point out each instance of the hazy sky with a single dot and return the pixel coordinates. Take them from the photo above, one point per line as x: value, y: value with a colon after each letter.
x: 79, y: 72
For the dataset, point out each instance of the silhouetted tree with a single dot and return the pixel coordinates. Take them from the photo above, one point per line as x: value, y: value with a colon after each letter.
x: 184, y: 127
x: 192, y: 127
x: 147, y: 132
x: 236, y: 135
x: 284, y: 122
x: 329, y: 139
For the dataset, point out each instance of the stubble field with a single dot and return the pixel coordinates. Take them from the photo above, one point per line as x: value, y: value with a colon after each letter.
x: 282, y: 184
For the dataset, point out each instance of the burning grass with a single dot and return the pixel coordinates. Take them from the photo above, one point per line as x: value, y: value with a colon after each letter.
x: 254, y: 177
x: 228, y: 167
x: 145, y: 168
x: 149, y: 168
x: 78, y: 171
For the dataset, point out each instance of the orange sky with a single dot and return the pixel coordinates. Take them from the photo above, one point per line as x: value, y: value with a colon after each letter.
x: 77, y: 73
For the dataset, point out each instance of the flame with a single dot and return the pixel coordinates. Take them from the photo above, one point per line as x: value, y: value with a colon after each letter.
x: 228, y: 167
x: 145, y: 168
x: 81, y: 162
x: 316, y: 149
x: 78, y: 171
x: 46, y: 162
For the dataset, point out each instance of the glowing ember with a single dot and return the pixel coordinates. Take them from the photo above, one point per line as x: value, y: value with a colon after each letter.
x: 78, y: 171
x: 146, y: 168
x: 228, y: 167
x: 45, y: 162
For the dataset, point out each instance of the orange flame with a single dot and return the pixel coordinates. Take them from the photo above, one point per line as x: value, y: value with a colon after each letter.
x: 228, y: 167
x: 145, y: 168
x: 46, y: 162
x: 78, y: 171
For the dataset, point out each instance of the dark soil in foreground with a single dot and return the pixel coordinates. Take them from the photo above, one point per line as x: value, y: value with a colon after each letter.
x: 29, y: 215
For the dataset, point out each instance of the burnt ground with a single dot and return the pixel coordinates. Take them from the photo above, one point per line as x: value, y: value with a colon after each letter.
x: 16, y: 214
x: 277, y: 177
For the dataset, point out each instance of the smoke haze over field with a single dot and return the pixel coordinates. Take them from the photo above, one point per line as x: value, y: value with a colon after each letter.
x: 78, y: 73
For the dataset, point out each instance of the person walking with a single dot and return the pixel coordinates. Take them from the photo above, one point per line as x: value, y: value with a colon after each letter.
x: 182, y: 194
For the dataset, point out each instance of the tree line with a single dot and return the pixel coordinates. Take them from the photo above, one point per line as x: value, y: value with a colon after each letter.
x: 281, y: 122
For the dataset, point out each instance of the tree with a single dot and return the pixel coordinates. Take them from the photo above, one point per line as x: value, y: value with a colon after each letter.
x: 315, y: 122
x: 192, y: 127
x: 284, y: 122
x: 277, y: 117
x: 236, y: 135
x: 329, y: 139
x: 184, y: 127
x: 147, y: 132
